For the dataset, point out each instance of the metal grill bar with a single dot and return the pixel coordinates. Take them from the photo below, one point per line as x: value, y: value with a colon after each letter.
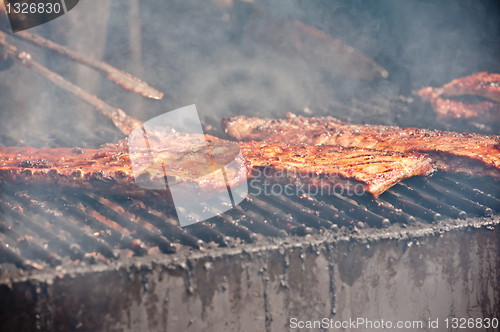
x: 163, y: 244
x: 215, y: 228
x: 204, y: 232
x: 226, y: 224
x: 8, y: 254
x: 256, y: 222
x: 73, y: 250
x: 76, y: 212
x: 430, y: 202
x: 171, y: 232
x: 278, y: 217
x: 451, y: 198
x: 410, y: 207
x: 387, y: 210
x: 27, y: 246
x: 474, y: 194
x: 309, y: 216
x: 328, y: 210
x: 87, y: 241
x: 356, y: 211
x: 109, y: 234
x: 487, y: 187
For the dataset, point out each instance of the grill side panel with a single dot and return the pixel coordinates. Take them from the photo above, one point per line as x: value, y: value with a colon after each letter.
x: 440, y: 274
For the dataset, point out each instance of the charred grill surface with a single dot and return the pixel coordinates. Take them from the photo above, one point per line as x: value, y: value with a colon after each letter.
x: 328, y: 166
x: 474, y: 154
x: 79, y: 225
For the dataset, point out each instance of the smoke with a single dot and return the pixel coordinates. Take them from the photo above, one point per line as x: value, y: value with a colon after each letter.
x: 188, y: 50
x: 196, y: 59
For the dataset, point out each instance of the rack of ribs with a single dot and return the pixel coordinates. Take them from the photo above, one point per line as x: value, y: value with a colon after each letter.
x: 446, y: 108
x: 453, y: 100
x: 326, y: 167
x: 109, y: 169
x: 479, y: 84
x: 474, y: 154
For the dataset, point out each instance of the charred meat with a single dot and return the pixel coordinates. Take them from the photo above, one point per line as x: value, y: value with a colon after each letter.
x: 111, y: 168
x: 475, y: 154
x: 326, y: 167
x: 479, y: 84
x: 459, y: 108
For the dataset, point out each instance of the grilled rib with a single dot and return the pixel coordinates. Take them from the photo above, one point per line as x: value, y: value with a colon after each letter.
x: 110, y: 169
x: 479, y: 84
x: 447, y: 108
x: 328, y: 168
x: 475, y: 154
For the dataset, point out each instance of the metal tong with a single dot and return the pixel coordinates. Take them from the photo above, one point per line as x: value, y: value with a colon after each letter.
x: 121, y: 120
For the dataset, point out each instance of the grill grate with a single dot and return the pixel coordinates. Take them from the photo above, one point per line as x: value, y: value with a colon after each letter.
x: 39, y: 230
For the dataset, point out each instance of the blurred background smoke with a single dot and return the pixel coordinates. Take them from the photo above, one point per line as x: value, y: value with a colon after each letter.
x: 187, y: 49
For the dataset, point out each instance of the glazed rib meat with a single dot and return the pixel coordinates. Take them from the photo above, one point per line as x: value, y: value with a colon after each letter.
x: 110, y: 169
x: 328, y: 168
x: 454, y: 108
x: 479, y: 84
x: 478, y: 155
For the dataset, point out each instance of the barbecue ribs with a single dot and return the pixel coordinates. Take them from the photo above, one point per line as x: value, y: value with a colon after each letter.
x: 329, y: 166
x: 448, y: 101
x: 479, y: 84
x: 446, y: 108
x: 478, y: 155
x: 109, y: 169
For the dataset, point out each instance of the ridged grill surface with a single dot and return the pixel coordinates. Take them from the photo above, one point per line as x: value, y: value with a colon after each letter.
x: 42, y: 229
